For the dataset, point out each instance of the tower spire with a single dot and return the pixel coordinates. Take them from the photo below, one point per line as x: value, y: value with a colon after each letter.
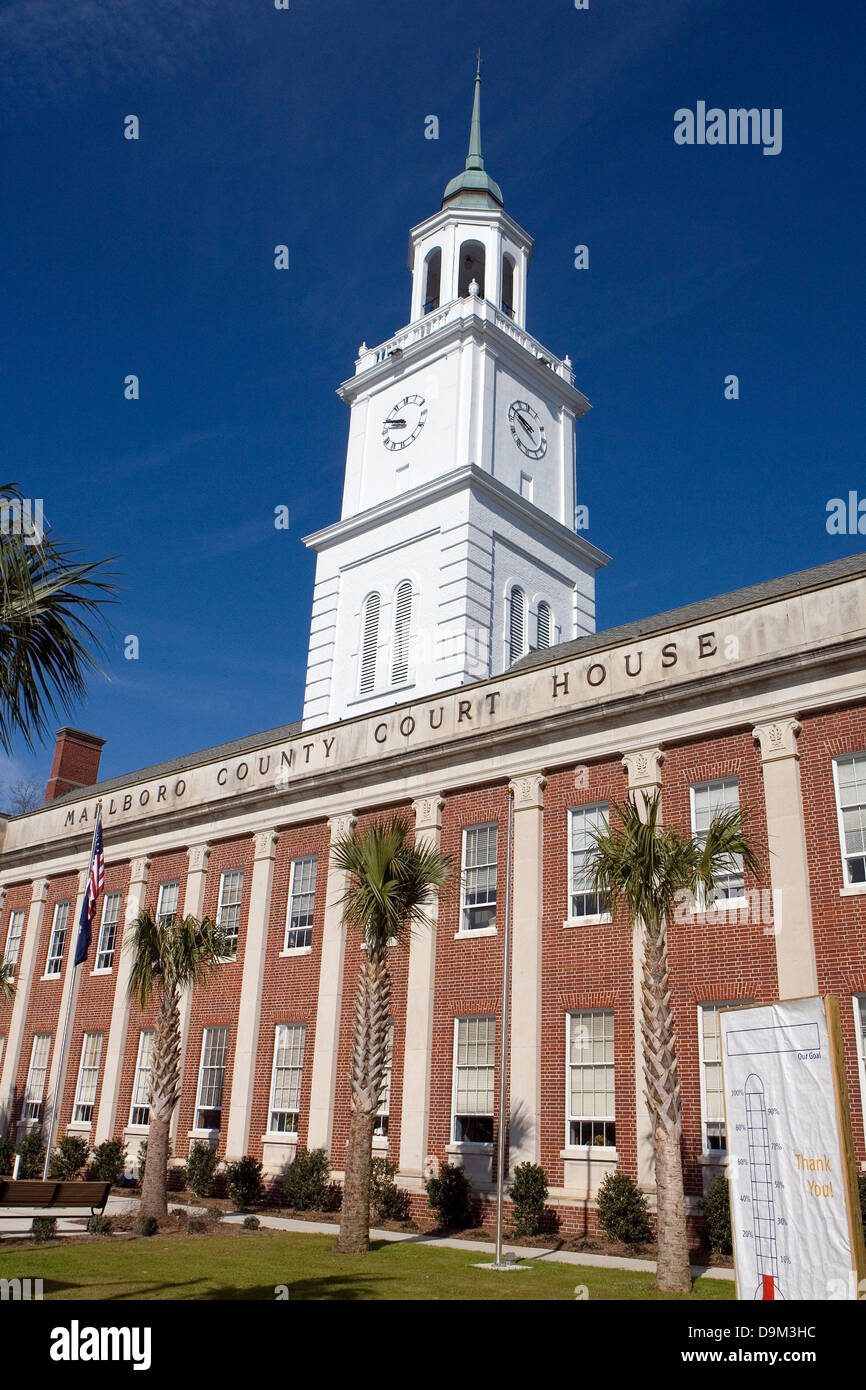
x: 473, y: 188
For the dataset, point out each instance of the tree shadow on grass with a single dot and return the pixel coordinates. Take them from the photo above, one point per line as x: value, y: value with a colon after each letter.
x: 342, y: 1288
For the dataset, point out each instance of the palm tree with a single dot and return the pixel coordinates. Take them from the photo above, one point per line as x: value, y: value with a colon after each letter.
x: 47, y: 600
x: 168, y: 957
x: 646, y: 867
x: 390, y: 886
x: 7, y: 980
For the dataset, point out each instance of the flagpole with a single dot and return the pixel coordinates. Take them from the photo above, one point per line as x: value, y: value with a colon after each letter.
x: 503, y: 1064
x: 59, y: 1086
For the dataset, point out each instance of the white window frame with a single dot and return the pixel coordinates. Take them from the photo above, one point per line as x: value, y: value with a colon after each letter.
x: 859, y: 1003
x: 18, y: 918
x: 295, y: 891
x: 718, y: 1005
x: 368, y: 649
x: 32, y: 1108
x: 545, y: 604
x: 457, y: 1067
x: 227, y: 879
x: 292, y: 1113
x: 719, y: 904
x: 54, y: 956
x: 108, y: 927
x: 849, y: 885
x: 466, y: 908
x: 607, y: 1150
x: 401, y: 634
x: 146, y: 1039
x: 160, y: 909
x: 87, y: 1089
x: 383, y: 1111
x: 586, y: 919
x: 515, y: 621
x: 205, y: 1082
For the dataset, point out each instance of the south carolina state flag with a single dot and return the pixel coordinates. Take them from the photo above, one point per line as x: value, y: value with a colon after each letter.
x: 95, y: 885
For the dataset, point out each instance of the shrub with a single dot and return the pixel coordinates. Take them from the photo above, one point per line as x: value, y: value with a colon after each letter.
x: 69, y: 1158
x: 32, y: 1151
x: 388, y: 1202
x: 7, y: 1156
x: 196, y: 1225
x: 244, y: 1182
x: 449, y: 1194
x: 306, y: 1180
x: 622, y: 1210
x: 717, y: 1214
x: 99, y: 1225
x: 108, y: 1161
x: 43, y: 1228
x: 251, y: 1223
x: 528, y: 1193
x: 145, y: 1226
x: 200, y: 1168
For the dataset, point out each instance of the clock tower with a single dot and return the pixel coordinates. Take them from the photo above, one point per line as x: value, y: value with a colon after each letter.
x: 457, y: 550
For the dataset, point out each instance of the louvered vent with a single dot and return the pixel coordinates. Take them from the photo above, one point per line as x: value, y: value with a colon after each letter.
x: 544, y: 624
x: 369, y: 644
x: 402, y: 634
x: 517, y: 624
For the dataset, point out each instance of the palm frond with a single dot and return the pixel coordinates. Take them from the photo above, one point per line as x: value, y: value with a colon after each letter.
x: 48, y: 601
x: 172, y: 955
x: 727, y: 841
x: 391, y: 880
x: 7, y: 980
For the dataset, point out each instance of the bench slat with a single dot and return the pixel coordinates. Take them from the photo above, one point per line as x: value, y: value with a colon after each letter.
x: 25, y: 1193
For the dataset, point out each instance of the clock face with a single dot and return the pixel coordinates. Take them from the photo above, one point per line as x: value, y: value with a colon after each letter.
x: 404, y: 422
x: 527, y: 429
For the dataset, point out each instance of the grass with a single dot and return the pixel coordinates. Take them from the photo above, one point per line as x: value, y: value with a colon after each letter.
x: 251, y: 1266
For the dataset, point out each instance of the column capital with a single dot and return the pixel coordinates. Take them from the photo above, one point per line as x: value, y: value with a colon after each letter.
x: 197, y: 856
x: 428, y: 812
x: 778, y: 738
x: 139, y: 870
x: 265, y: 843
x: 342, y: 825
x: 643, y: 768
x: 40, y: 890
x: 528, y: 791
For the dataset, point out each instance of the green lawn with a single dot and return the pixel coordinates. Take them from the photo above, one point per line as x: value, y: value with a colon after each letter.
x: 250, y: 1266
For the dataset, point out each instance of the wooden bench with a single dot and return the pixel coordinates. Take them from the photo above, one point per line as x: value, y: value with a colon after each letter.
x: 66, y: 1199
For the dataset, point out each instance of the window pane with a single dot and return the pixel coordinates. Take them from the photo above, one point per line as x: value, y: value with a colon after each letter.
x: 851, y: 781
x: 715, y: 1138
x: 591, y: 1078
x: 108, y: 931
x: 211, y: 1075
x: 36, y: 1076
x: 58, y: 939
x: 140, y: 1110
x: 708, y: 799
x: 13, y: 938
x: 479, y: 876
x: 302, y: 899
x: 229, y: 910
x: 474, y: 1079
x: 167, y: 905
x: 286, y: 1079
x: 584, y: 823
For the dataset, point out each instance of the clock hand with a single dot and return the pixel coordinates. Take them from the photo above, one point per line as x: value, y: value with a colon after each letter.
x: 525, y: 424
x: 401, y: 423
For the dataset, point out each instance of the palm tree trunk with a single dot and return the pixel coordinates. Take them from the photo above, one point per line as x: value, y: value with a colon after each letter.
x: 369, y: 1049
x: 661, y: 1073
x: 165, y: 1075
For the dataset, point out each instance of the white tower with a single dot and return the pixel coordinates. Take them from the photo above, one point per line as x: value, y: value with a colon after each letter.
x: 457, y: 550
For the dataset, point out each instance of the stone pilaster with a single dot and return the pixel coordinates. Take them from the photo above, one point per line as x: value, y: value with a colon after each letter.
x: 329, y: 1002
x: 525, y: 1013
x: 252, y: 983
x: 418, y: 1047
x: 789, y: 865
x: 643, y: 768
x: 24, y: 972
x: 107, y: 1117
x: 62, y: 1066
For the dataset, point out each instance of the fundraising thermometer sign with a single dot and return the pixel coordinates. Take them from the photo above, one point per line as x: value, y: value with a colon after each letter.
x: 789, y: 1164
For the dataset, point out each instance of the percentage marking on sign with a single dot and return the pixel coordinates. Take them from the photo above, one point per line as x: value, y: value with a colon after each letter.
x: 772, y: 1110
x: 784, y: 1259
x: 738, y: 1092
x: 742, y: 1162
x: 783, y: 1221
x: 744, y: 1197
x: 776, y: 1146
x: 778, y: 1183
x: 747, y: 1235
x: 739, y: 1127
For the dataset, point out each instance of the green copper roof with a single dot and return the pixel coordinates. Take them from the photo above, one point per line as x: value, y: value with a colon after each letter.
x: 473, y: 188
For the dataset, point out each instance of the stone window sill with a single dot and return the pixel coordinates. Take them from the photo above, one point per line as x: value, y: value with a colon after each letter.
x: 853, y: 890
x: 479, y: 931
x: 598, y: 919
x: 296, y: 951
x: 598, y: 1152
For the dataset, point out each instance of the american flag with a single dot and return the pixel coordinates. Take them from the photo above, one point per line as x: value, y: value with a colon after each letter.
x: 95, y: 885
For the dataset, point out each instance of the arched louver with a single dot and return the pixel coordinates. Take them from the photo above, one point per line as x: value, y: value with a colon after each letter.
x: 544, y: 624
x: 369, y: 644
x: 517, y: 624
x: 402, y: 633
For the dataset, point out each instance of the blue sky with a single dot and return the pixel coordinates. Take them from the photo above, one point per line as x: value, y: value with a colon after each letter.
x: 306, y: 127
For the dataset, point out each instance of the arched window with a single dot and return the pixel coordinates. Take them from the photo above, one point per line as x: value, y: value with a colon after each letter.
x: 402, y: 633
x: 369, y: 643
x: 508, y: 285
x: 432, y: 279
x: 544, y: 624
x: 516, y: 624
x: 471, y: 268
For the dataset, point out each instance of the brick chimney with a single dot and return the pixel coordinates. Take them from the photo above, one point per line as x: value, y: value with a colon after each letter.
x: 76, y: 762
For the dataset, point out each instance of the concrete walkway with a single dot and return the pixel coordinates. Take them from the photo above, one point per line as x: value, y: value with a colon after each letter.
x: 118, y: 1205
